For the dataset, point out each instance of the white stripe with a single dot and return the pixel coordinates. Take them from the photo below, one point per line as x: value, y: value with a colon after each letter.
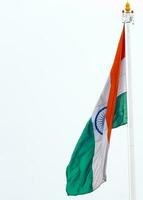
x: 122, y: 82
x: 101, y: 141
x: 102, y: 102
x: 99, y: 161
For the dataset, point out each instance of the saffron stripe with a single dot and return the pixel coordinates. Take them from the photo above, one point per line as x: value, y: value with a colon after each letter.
x: 114, y: 79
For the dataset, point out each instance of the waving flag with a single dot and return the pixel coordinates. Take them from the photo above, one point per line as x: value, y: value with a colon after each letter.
x: 87, y: 168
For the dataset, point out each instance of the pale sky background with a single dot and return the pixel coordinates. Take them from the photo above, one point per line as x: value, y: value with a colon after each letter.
x: 55, y: 57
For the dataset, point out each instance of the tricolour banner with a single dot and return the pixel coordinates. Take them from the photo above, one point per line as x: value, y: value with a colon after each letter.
x: 87, y: 168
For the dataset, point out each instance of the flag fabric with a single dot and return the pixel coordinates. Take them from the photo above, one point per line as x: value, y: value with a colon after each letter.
x: 87, y: 168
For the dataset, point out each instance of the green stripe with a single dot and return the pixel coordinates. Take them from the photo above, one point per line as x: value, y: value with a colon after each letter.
x: 120, y: 115
x: 79, y: 171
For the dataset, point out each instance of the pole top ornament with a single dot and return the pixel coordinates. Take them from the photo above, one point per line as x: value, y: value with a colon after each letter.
x: 128, y: 14
x: 127, y: 7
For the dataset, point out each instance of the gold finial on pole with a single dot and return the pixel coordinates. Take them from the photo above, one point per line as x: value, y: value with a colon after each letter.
x: 128, y: 14
x: 127, y: 7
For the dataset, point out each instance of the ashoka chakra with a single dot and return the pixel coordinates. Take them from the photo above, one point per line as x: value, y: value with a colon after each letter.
x: 100, y: 119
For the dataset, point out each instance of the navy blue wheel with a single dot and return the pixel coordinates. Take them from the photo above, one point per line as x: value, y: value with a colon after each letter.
x: 100, y: 119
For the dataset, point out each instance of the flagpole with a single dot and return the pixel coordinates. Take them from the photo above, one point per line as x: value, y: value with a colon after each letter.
x: 128, y: 20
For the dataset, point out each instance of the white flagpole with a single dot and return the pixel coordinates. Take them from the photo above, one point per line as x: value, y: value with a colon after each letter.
x: 128, y: 20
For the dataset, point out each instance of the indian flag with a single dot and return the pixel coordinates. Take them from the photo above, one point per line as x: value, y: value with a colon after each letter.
x: 87, y: 168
